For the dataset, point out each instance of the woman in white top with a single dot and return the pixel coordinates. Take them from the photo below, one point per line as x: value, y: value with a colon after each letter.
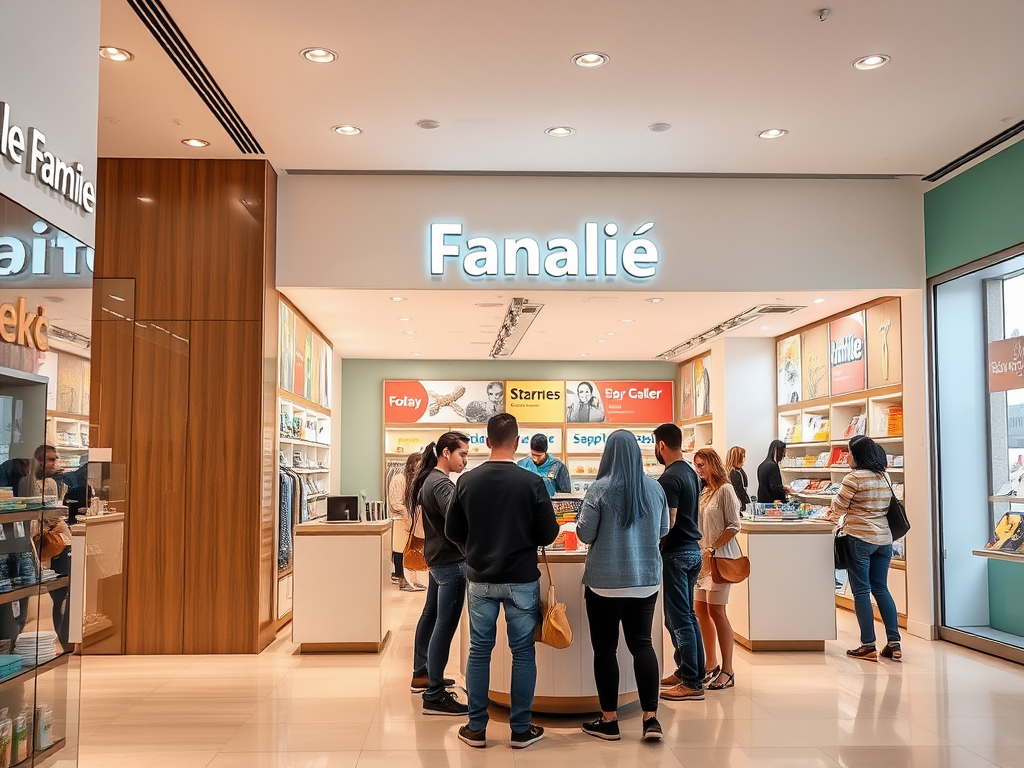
x: 719, y: 523
x: 403, y: 523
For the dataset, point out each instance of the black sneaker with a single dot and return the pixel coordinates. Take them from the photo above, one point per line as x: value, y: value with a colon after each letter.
x: 603, y: 729
x: 476, y: 739
x: 448, y: 704
x: 420, y: 683
x: 531, y: 735
x: 652, y: 730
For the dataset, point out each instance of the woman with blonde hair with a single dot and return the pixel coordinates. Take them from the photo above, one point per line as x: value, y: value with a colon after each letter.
x: 719, y: 522
x: 737, y: 476
x: 402, y: 527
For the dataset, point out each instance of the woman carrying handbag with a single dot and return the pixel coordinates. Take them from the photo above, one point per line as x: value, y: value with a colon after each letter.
x: 863, y: 503
x: 719, y: 523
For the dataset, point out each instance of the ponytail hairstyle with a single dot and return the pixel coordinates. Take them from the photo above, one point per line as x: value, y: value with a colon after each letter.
x: 450, y: 441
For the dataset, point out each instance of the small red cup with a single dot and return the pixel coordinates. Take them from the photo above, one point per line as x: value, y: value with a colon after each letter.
x: 571, y: 542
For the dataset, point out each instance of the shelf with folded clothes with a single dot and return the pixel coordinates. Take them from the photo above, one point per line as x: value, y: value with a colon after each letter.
x: 31, y: 590
x: 28, y: 672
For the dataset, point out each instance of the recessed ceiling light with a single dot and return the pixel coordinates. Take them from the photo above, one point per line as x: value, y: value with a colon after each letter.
x: 874, y: 61
x: 415, y: 354
x: 659, y: 127
x: 819, y: 301
x: 428, y: 125
x: 591, y: 59
x: 116, y: 54
x: 409, y: 333
x: 627, y: 320
x: 772, y: 133
x: 610, y: 333
x: 195, y: 143
x: 583, y: 354
x: 602, y: 341
x: 766, y: 327
x: 560, y: 131
x: 398, y: 298
x: 319, y: 55
x: 347, y: 130
x: 655, y: 300
x: 404, y: 319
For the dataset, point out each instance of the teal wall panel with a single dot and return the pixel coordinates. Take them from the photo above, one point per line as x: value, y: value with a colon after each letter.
x: 1006, y: 596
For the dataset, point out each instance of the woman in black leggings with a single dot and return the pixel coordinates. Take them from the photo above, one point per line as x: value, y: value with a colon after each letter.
x: 624, y: 516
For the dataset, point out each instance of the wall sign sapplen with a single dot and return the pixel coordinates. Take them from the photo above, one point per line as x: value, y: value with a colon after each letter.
x: 599, y: 256
x: 28, y: 149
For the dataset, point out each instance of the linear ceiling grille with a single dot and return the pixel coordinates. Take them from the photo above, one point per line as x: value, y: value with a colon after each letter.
x: 977, y: 152
x: 162, y: 26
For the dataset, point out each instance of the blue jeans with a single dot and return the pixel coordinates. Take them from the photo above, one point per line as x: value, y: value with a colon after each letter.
x: 869, y: 571
x: 680, y: 569
x: 522, y: 613
x: 450, y: 597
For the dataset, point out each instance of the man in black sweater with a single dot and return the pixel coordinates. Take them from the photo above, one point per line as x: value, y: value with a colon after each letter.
x: 500, y: 515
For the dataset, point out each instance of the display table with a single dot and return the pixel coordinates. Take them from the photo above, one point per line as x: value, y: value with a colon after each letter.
x: 565, y: 678
x: 339, y: 596
x: 788, y: 603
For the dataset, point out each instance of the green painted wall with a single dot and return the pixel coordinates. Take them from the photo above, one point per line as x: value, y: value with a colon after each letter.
x: 977, y: 213
x: 362, y: 399
x: 1005, y: 584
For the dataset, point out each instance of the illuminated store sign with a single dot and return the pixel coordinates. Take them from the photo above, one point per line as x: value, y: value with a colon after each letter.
x: 50, y: 252
x: 28, y: 149
x: 26, y: 329
x: 560, y: 257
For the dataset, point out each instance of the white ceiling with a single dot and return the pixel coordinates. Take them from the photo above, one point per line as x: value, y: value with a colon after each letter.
x: 448, y: 325
x: 497, y: 74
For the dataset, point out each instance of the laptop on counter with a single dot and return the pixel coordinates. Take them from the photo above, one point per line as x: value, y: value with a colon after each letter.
x: 343, y: 509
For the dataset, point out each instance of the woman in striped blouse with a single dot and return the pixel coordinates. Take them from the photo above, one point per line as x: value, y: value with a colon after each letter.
x: 862, y: 503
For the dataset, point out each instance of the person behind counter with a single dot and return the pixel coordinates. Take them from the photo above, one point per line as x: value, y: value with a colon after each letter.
x: 864, y: 500
x: 431, y: 497
x: 623, y: 518
x: 681, y: 561
x: 552, y: 471
x: 403, y: 522
x: 734, y: 466
x: 500, y: 516
x: 719, y: 524
x: 770, y: 487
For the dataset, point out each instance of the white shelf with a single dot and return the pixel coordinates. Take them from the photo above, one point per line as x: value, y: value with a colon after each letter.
x: 1007, y: 499
x: 818, y: 444
x: 299, y: 471
x: 996, y: 554
x: 307, y: 443
x: 828, y: 496
x: 827, y: 470
x: 71, y: 447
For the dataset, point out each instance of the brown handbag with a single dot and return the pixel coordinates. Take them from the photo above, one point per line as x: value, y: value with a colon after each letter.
x: 553, y: 628
x: 413, y: 557
x: 726, y: 571
x: 50, y: 542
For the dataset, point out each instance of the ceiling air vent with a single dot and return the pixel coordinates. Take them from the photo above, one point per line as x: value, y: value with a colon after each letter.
x: 774, y: 309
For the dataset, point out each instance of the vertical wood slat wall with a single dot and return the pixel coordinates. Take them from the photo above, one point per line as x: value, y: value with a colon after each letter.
x: 195, y: 242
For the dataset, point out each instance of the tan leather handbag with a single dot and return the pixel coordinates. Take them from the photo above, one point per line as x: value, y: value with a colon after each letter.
x: 725, y: 571
x: 412, y: 557
x: 553, y: 629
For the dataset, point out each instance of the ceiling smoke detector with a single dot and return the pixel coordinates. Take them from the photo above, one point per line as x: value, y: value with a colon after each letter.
x: 428, y: 125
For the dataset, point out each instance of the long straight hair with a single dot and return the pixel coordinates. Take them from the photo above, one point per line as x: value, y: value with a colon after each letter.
x: 409, y: 473
x: 868, y: 454
x: 775, y: 450
x: 716, y: 476
x: 736, y: 455
x: 428, y: 460
x: 623, y: 465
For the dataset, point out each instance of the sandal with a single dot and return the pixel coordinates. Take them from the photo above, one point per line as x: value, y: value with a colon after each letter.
x: 718, y: 685
x: 711, y: 674
x: 866, y: 652
x: 892, y: 651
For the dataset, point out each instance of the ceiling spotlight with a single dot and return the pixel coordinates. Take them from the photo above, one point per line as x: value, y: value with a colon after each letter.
x: 819, y: 301
x: 319, y: 55
x: 398, y: 298
x: 655, y: 300
x: 560, y: 131
x: 428, y: 125
x: 627, y: 320
x: 874, y: 61
x: 591, y: 60
x: 408, y: 333
x: 602, y: 341
x: 610, y: 333
x: 415, y: 354
x: 659, y: 127
x: 766, y: 327
x: 116, y: 54
x: 195, y: 143
x: 772, y: 133
x: 404, y: 319
x: 583, y: 354
x: 347, y: 130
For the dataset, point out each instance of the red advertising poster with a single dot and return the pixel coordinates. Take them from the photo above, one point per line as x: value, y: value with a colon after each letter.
x: 847, y: 354
x: 637, y: 402
x: 441, y: 402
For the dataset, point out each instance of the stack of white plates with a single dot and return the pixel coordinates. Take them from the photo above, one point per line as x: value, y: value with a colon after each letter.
x: 37, y: 648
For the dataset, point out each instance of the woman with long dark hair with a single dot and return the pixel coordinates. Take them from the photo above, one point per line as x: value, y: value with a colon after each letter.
x: 719, y: 523
x: 402, y: 528
x: 770, y: 487
x: 430, y: 497
x: 862, y: 503
x: 623, y: 518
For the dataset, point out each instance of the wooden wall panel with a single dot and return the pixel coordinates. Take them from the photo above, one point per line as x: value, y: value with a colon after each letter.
x: 227, y: 255
x: 156, y: 531
x: 145, y: 230
x: 222, y: 499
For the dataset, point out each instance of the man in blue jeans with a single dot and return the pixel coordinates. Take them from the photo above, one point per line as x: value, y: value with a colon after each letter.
x: 681, y: 562
x: 500, y: 515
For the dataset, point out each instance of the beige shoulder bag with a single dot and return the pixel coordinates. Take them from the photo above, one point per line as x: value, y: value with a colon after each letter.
x: 553, y: 629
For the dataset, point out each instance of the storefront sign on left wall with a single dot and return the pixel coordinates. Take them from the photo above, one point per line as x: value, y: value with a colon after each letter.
x: 26, y: 329
x: 28, y: 149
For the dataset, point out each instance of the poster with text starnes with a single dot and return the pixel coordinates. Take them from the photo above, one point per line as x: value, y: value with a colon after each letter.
x: 442, y: 402
x: 637, y: 402
x: 536, y: 402
x: 847, y: 354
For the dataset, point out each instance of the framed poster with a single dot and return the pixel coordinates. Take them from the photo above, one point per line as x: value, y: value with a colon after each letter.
x: 847, y: 354
x: 885, y: 344
x: 531, y: 402
x: 702, y: 386
x: 442, y: 402
x: 787, y: 356
x: 583, y: 403
x: 814, y: 369
x: 637, y: 402
x: 686, y: 387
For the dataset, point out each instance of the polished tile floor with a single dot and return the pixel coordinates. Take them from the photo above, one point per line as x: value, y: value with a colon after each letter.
x: 944, y: 707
